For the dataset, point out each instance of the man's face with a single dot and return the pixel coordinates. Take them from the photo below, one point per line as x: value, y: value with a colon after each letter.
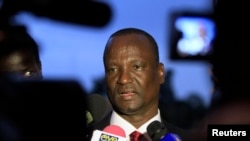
x: 133, y: 76
x: 21, y: 65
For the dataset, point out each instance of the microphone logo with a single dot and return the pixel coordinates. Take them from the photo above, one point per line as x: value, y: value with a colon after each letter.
x: 106, y: 137
x: 109, y: 133
x: 89, y: 117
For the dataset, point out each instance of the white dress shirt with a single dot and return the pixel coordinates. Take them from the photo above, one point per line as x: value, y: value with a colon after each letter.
x: 129, y: 128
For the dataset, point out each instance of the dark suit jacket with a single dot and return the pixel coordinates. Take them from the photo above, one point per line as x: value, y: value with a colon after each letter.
x: 106, y: 121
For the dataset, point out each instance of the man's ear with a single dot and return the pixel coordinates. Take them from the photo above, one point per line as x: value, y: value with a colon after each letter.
x: 161, y: 72
x: 40, y: 65
x: 40, y: 68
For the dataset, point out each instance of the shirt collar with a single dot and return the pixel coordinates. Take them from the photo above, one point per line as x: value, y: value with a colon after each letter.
x: 128, y: 127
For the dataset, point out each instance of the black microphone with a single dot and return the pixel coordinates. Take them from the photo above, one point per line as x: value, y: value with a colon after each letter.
x: 158, y: 132
x: 83, y: 12
x: 97, y: 108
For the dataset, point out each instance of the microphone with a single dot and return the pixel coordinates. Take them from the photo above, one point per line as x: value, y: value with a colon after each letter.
x: 97, y: 108
x: 158, y: 132
x: 109, y: 133
x: 82, y: 12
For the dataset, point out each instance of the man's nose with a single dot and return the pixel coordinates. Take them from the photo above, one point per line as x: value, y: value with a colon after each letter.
x: 124, y: 77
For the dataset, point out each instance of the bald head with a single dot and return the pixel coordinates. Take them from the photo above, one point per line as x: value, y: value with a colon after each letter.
x: 134, y: 34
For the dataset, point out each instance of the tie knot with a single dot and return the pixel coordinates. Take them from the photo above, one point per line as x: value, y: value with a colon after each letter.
x: 134, y: 136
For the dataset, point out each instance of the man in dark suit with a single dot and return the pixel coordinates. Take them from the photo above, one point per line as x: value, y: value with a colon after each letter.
x: 133, y: 75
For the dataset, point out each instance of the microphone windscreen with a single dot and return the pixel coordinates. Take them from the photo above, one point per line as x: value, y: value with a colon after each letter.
x: 82, y: 12
x: 171, y: 137
x: 115, y: 129
x: 156, y: 130
x: 98, y: 106
x: 109, y: 133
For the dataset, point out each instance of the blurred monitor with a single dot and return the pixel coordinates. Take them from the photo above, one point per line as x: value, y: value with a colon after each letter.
x: 192, y: 36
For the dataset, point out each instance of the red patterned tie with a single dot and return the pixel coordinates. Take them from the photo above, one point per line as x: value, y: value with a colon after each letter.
x: 134, y: 136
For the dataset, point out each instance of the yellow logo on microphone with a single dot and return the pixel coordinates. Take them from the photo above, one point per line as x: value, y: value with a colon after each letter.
x: 105, y: 137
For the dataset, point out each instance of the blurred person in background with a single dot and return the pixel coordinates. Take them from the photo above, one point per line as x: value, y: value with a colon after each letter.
x: 19, y: 54
x: 229, y: 69
x: 19, y: 60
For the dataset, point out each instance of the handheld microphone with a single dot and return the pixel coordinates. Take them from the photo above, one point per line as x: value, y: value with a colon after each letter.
x: 90, y: 13
x: 109, y: 133
x: 158, y: 132
x: 97, y: 108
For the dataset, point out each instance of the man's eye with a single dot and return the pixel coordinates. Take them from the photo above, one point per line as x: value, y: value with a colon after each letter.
x: 31, y: 75
x: 112, y: 70
x: 28, y: 74
x: 137, y: 67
